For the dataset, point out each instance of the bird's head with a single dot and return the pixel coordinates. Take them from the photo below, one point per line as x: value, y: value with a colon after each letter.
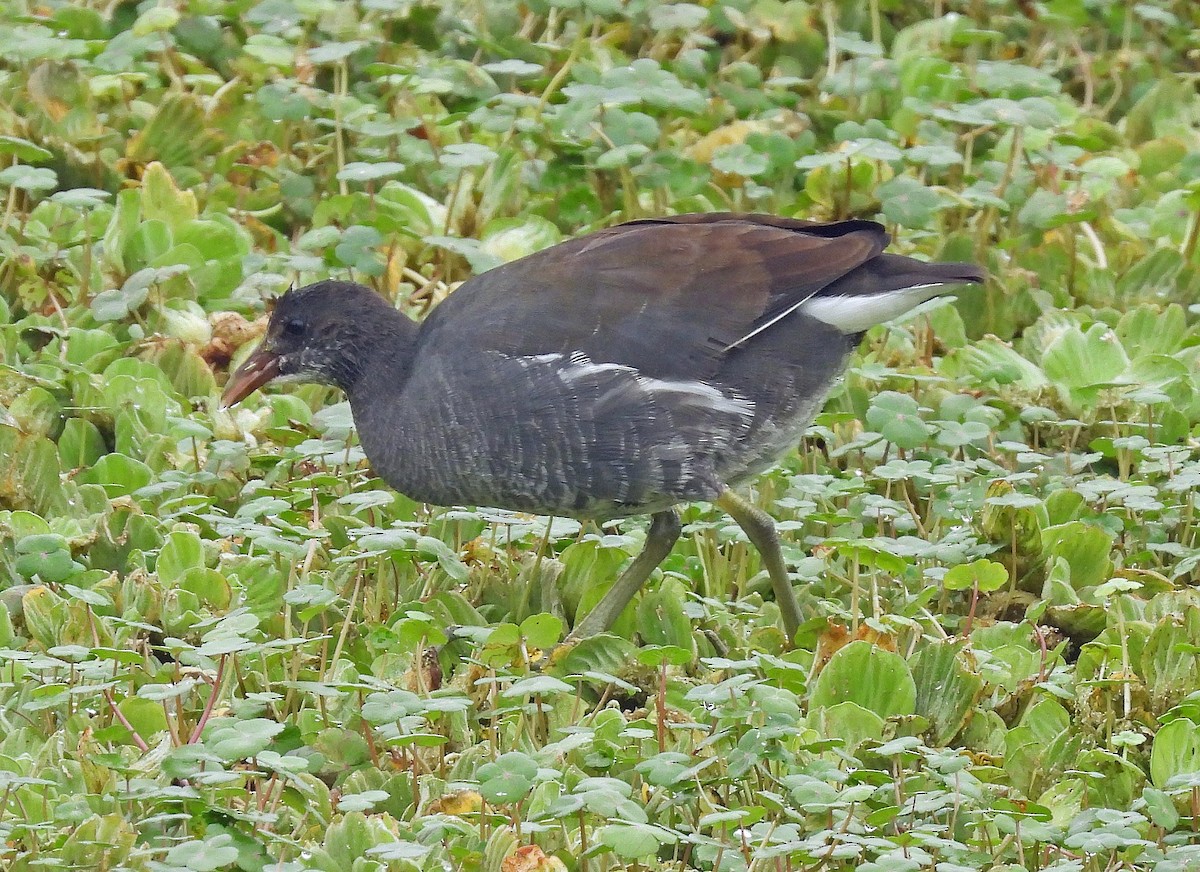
x: 322, y: 333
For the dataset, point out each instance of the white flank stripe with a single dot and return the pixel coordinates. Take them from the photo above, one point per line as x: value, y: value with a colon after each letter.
x: 584, y: 371
x: 581, y: 368
x: 702, y: 394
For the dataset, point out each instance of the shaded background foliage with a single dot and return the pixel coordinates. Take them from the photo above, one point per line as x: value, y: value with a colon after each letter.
x: 224, y: 644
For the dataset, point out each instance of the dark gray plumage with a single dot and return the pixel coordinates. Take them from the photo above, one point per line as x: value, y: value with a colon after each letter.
x: 653, y: 363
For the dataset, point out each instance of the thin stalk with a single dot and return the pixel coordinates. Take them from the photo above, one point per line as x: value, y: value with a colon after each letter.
x: 212, y: 701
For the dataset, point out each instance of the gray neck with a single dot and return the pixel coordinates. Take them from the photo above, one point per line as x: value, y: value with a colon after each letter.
x: 383, y: 357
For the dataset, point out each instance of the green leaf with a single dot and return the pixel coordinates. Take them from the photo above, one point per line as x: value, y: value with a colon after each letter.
x: 1080, y: 363
x: 209, y: 855
x: 604, y: 653
x: 464, y: 155
x: 24, y: 150
x: 181, y: 551
x: 118, y: 475
x: 369, y: 172
x: 907, y: 202
x: 986, y: 575
x: 1039, y: 748
x: 1160, y: 808
x: 661, y: 619
x: 512, y: 238
x: 46, y: 557
x: 389, y: 706
x: 665, y: 769
x: 162, y: 200
x: 897, y: 418
x: 81, y: 444
x: 658, y: 655
x: 26, y: 178
x: 740, y: 159
x: 155, y: 19
x: 331, y: 52
x: 1170, y: 660
x: 868, y: 676
x: 93, y: 598
x: 509, y: 779
x: 357, y: 249
x: 145, y: 716
x: 541, y: 631
x: 231, y: 739
x: 41, y: 543
x: 947, y: 690
x: 210, y: 587
x: 537, y: 685
x: 1086, y: 549
x: 635, y: 841
x: 151, y: 241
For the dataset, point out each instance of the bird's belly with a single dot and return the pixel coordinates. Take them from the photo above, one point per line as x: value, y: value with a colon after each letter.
x: 443, y: 471
x: 518, y: 495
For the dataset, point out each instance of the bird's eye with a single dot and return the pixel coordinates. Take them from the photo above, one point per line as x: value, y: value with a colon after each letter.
x: 293, y: 327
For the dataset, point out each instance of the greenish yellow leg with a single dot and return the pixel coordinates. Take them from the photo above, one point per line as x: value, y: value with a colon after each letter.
x: 760, y: 529
x: 664, y: 531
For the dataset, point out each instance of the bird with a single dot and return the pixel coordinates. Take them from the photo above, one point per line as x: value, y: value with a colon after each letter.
x: 654, y: 363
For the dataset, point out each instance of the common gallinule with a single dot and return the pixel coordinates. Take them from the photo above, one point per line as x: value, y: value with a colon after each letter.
x: 621, y: 373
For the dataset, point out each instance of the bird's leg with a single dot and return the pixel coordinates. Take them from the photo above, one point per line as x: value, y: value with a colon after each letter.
x: 664, y: 531
x: 760, y: 529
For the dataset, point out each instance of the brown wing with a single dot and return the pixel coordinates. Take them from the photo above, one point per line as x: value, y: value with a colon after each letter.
x: 665, y: 296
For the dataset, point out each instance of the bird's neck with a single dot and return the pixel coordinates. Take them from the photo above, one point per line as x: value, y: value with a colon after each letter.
x: 383, y: 355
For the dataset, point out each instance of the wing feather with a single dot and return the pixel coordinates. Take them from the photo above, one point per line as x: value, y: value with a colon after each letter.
x: 667, y: 297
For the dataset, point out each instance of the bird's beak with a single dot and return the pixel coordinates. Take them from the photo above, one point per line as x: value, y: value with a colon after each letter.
x: 258, y: 369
